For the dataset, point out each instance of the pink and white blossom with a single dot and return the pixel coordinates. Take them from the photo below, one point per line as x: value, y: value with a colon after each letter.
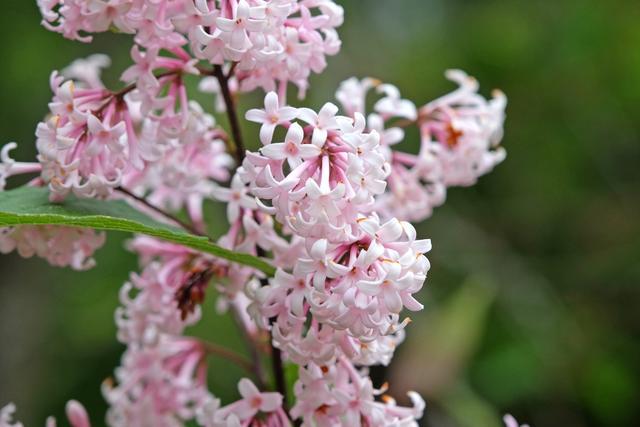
x: 271, y: 116
x: 509, y: 421
x: 254, y: 409
x: 6, y: 416
x: 85, y: 146
x: 60, y: 246
x: 340, y: 395
x: 76, y: 415
x: 325, y: 201
x: 9, y: 167
x: 460, y: 135
x: 325, y: 183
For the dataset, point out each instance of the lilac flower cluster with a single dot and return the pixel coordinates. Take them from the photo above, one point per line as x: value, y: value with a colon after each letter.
x: 272, y: 42
x: 325, y: 199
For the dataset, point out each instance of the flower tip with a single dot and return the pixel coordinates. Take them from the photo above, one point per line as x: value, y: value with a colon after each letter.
x: 498, y: 94
x: 76, y: 414
x: 108, y: 383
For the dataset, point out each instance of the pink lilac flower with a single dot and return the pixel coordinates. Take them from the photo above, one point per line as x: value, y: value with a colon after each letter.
x: 160, y: 385
x: 237, y: 198
x: 509, y: 421
x: 150, y: 306
x: 236, y: 28
x: 85, y: 146
x: 340, y: 395
x: 333, y: 171
x: 303, y: 339
x: 96, y: 140
x: 460, y: 133
x: 141, y: 71
x: 344, y: 295
x: 76, y: 415
x: 352, y: 94
x: 270, y: 117
x: 391, y: 105
x: 251, y: 231
x: 6, y: 416
x: 254, y: 409
x: 321, y: 122
x: 161, y: 97
x: 466, y: 129
x: 183, y: 175
x: 77, y: 19
x: 149, y: 60
x: 60, y: 246
x: 262, y: 36
x: 88, y: 70
x: 358, y: 287
x: 291, y: 149
x: 324, y: 200
x: 9, y: 167
x: 162, y: 379
x: 190, y: 15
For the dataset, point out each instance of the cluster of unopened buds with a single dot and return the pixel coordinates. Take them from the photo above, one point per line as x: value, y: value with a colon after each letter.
x: 325, y: 199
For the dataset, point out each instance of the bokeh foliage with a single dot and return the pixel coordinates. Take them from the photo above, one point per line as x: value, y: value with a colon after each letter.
x: 532, y: 302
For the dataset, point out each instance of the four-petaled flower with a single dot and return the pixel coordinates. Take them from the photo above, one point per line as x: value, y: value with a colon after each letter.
x: 271, y: 116
x: 236, y: 197
x: 321, y: 122
x: 254, y: 401
x: 292, y: 148
x: 245, y: 19
x: 104, y: 135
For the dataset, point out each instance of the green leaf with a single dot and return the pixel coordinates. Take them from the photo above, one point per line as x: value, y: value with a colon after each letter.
x: 31, y: 205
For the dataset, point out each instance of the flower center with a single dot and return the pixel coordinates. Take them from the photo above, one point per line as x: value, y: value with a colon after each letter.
x: 452, y: 136
x: 292, y: 148
x: 256, y: 402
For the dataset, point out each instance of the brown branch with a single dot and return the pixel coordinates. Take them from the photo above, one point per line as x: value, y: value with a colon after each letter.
x: 125, y: 90
x: 232, y: 114
x: 228, y: 354
x: 405, y: 123
x: 418, y: 121
x: 232, y: 69
x: 143, y: 201
x: 278, y: 373
x: 276, y: 354
x: 251, y: 348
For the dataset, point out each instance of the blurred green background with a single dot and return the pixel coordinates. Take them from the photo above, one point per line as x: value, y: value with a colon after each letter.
x: 532, y: 302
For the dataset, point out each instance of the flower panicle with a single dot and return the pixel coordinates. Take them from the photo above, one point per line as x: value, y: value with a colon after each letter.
x: 327, y: 199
